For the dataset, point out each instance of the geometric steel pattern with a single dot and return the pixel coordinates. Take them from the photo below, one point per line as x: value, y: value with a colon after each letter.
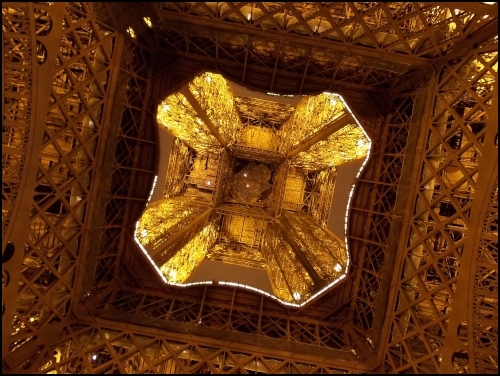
x: 176, y: 234
x: 79, y: 158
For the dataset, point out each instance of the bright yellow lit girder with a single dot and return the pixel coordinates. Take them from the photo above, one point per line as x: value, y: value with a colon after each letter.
x: 325, y: 186
x: 215, y: 96
x: 289, y: 278
x: 161, y: 221
x: 177, y: 169
x: 177, y: 115
x: 178, y: 268
x: 347, y: 144
x: 326, y: 253
x: 312, y: 114
x: 237, y: 255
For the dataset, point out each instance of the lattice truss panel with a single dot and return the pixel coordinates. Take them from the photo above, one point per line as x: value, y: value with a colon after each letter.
x: 216, y: 100
x: 289, y: 277
x: 91, y: 348
x: 64, y: 155
x: 369, y: 225
x: 161, y: 220
x: 179, y: 163
x: 298, y: 51
x: 17, y: 105
x: 408, y: 28
x: 441, y: 208
x: 314, y: 241
x: 482, y: 338
x: 347, y: 144
x: 132, y: 148
x: 311, y: 115
x: 262, y: 120
x: 180, y: 265
x: 434, y: 279
x: 236, y: 254
x: 175, y: 112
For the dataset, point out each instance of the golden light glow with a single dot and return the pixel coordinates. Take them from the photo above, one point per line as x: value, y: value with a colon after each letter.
x: 231, y: 195
x: 179, y: 117
x: 180, y: 266
x: 345, y: 145
x: 287, y: 274
x: 131, y: 32
x: 215, y: 96
x: 148, y: 22
x: 161, y: 221
x: 312, y: 114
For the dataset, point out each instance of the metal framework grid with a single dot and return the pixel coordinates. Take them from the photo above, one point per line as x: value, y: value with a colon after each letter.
x: 448, y: 238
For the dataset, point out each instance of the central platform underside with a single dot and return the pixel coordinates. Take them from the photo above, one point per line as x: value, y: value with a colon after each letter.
x: 250, y: 185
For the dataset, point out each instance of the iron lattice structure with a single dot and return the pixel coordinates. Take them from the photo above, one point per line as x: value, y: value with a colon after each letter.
x: 79, y: 159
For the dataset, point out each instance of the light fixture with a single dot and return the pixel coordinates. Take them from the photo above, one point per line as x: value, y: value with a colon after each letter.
x: 94, y: 357
x: 148, y: 22
x: 338, y: 268
x: 131, y: 32
x: 296, y: 296
x: 208, y: 182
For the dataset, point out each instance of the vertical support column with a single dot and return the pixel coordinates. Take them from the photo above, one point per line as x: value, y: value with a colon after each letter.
x: 41, y: 76
x: 422, y: 109
x: 463, y: 308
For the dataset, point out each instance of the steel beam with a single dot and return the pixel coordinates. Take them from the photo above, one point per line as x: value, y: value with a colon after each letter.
x: 421, y: 110
x: 156, y: 253
x: 458, y: 50
x: 322, y: 134
x: 298, y: 252
x: 222, y: 30
x: 241, y: 341
x: 203, y: 115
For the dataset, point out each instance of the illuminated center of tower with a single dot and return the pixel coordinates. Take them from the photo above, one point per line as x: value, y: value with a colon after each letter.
x: 250, y: 183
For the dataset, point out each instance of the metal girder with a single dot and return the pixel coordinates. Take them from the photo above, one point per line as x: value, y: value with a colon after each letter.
x: 460, y: 49
x: 426, y: 307
x: 156, y: 254
x: 37, y: 99
x: 222, y: 30
x: 36, y: 348
x: 421, y: 110
x: 472, y: 7
x: 298, y: 252
x: 467, y: 307
x: 322, y: 134
x: 203, y: 115
x: 341, y: 358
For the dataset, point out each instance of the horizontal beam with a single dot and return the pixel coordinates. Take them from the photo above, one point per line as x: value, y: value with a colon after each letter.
x: 255, y: 344
x: 222, y: 30
x: 323, y: 134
